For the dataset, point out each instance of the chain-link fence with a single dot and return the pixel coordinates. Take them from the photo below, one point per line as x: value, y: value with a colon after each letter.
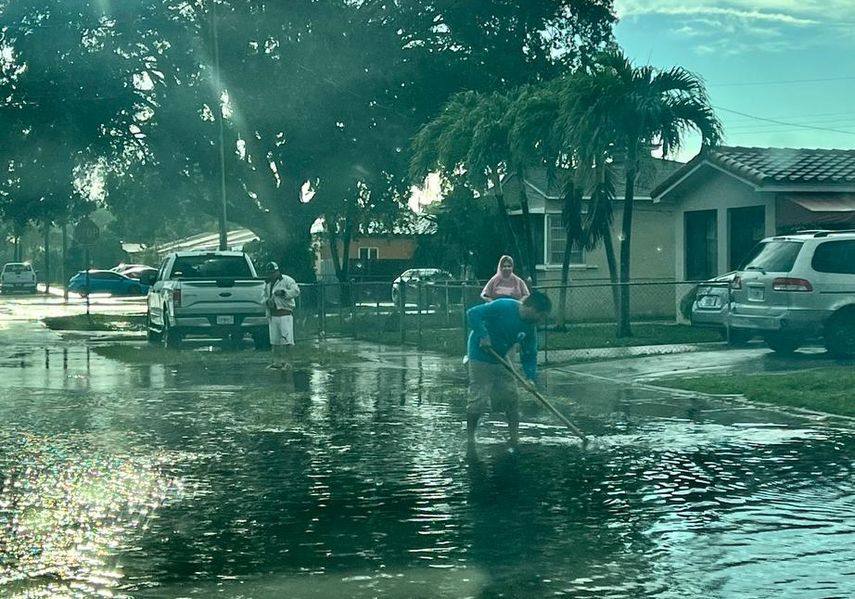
x: 434, y: 314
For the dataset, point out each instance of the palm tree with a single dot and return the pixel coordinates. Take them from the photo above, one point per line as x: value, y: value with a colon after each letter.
x: 621, y: 112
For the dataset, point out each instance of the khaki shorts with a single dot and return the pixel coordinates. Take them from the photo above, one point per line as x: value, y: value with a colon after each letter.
x: 491, y: 388
x: 281, y: 330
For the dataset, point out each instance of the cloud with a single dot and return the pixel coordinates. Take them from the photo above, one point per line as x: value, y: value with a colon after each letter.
x: 736, y: 26
x: 789, y: 12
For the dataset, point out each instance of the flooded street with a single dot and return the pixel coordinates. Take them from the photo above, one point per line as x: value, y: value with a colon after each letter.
x: 146, y: 481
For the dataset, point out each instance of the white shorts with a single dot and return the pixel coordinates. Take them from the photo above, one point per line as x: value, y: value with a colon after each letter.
x: 281, y: 329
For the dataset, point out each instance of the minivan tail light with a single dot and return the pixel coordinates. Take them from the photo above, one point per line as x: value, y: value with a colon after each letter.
x: 736, y: 283
x: 791, y: 284
x: 176, y: 298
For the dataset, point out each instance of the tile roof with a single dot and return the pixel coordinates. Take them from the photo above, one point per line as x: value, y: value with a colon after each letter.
x: 787, y: 165
x: 792, y: 167
x: 657, y: 171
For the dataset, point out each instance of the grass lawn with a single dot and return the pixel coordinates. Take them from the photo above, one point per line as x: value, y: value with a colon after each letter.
x: 96, y: 322
x: 824, y: 389
x: 451, y: 340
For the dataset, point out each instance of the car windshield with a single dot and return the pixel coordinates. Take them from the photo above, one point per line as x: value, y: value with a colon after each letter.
x: 211, y: 267
x: 773, y: 256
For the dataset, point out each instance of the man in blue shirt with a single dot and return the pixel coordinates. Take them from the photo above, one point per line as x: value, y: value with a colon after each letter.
x: 501, y: 325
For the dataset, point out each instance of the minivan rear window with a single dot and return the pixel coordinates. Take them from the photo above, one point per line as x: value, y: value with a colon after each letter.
x: 211, y: 267
x: 835, y: 256
x: 773, y: 256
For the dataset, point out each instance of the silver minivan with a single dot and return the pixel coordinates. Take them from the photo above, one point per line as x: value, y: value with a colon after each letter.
x: 792, y: 288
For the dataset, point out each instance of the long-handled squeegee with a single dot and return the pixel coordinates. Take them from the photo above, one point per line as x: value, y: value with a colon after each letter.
x: 538, y: 395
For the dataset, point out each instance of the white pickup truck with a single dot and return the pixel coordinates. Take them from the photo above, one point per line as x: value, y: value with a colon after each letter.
x: 215, y: 294
x: 17, y: 276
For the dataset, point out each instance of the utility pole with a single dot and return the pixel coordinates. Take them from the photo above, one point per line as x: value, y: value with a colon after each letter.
x: 218, y: 115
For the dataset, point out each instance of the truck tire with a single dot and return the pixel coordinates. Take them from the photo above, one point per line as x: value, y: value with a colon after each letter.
x: 169, y: 338
x: 261, y: 341
x: 151, y: 335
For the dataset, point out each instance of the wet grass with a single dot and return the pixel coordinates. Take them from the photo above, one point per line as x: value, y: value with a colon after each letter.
x: 303, y: 355
x: 96, y: 322
x: 823, y: 389
x: 584, y: 336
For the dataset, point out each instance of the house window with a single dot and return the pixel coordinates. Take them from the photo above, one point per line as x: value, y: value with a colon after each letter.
x: 368, y: 253
x: 747, y: 228
x: 556, y: 238
x: 701, y: 243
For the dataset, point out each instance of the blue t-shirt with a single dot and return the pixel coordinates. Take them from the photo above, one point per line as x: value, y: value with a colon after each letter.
x: 500, y: 320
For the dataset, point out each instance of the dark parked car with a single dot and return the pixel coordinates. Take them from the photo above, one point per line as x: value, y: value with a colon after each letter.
x: 711, y: 305
x: 105, y: 281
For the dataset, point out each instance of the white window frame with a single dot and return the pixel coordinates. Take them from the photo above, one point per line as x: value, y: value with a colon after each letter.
x: 547, y: 243
x: 369, y: 250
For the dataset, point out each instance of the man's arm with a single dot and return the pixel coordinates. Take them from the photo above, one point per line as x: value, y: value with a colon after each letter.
x: 291, y: 290
x: 478, y: 316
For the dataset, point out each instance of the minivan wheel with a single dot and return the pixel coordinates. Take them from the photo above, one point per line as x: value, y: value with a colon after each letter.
x: 782, y: 343
x: 840, y: 335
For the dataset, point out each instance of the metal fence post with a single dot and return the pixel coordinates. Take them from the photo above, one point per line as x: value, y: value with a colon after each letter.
x: 403, y: 311
x: 320, y: 299
x: 353, y: 290
x: 420, y: 295
x: 463, y: 295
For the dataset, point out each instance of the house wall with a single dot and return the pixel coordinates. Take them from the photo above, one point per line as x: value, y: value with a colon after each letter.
x: 720, y: 192
x: 713, y: 190
x: 651, y: 266
x: 387, y: 248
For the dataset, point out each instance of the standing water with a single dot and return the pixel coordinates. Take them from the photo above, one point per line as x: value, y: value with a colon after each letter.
x: 355, y: 481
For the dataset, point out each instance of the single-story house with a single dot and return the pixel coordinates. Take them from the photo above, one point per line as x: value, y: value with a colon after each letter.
x: 652, y: 257
x: 725, y: 200
x: 375, y: 254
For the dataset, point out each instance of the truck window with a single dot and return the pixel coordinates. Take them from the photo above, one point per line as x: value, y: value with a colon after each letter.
x: 211, y: 267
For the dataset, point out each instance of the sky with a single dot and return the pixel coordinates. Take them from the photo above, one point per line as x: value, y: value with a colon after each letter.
x: 791, y: 61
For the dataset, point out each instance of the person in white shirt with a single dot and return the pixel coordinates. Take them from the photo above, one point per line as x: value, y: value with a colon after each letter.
x: 280, y: 292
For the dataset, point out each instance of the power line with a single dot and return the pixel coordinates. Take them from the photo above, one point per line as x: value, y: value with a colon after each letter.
x: 777, y: 122
x: 780, y: 82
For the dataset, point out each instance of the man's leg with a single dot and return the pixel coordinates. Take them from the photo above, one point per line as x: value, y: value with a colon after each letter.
x: 480, y: 388
x: 275, y: 341
x: 287, y: 332
x: 508, y: 394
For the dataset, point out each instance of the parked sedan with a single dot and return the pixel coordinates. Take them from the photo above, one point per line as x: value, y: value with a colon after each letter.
x: 105, y: 281
x: 140, y: 273
x: 405, y: 287
x: 711, y: 305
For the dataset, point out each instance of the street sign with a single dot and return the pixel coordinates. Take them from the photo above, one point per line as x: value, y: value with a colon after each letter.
x: 86, y: 232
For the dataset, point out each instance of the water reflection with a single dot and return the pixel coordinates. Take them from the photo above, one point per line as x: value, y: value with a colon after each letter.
x: 355, y: 482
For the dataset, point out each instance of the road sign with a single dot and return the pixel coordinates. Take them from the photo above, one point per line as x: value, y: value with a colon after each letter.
x: 86, y: 232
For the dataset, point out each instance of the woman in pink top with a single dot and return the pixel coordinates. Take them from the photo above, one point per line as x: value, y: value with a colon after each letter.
x: 505, y: 283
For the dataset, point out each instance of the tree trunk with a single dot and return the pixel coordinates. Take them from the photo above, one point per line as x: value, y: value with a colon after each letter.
x: 565, y: 281
x: 503, y: 212
x: 623, y: 328
x: 530, y: 261
x: 65, y: 261
x: 611, y: 260
x: 47, y: 258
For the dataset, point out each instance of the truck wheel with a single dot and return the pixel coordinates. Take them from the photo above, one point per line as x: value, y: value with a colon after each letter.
x: 84, y: 291
x: 170, y: 338
x: 261, y: 341
x: 151, y: 335
x: 782, y: 343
